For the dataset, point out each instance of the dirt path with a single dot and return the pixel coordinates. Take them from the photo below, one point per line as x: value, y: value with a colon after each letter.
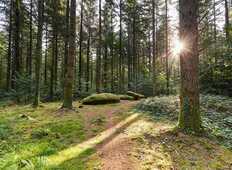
x: 116, y: 154
x: 152, y: 145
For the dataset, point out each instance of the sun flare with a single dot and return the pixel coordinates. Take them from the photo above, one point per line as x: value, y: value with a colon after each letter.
x: 178, y: 47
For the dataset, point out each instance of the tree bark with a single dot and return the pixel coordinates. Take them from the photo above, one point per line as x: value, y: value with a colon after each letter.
x: 227, y: 23
x: 9, y: 55
x: 69, y: 76
x: 80, y: 49
x: 98, y: 62
x: 189, y: 118
x: 38, y: 53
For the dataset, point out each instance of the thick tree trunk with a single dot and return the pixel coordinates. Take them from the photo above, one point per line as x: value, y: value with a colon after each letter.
x: 69, y: 76
x: 17, y: 42
x: 189, y: 118
x: 38, y: 53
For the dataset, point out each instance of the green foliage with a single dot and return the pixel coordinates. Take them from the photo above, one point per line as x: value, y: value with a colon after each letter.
x: 216, y: 114
x: 40, y: 133
x: 167, y: 106
x: 5, y: 131
x: 103, y: 98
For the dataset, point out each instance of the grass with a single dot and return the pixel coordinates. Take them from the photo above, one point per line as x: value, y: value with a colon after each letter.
x: 28, y: 135
x: 48, y: 138
x: 103, y: 98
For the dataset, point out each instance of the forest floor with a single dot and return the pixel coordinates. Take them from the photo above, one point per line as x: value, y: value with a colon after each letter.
x: 130, y: 135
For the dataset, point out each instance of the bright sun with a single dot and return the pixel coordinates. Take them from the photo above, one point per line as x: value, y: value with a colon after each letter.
x: 178, y: 47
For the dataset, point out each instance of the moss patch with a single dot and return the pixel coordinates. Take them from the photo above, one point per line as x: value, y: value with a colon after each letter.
x: 125, y: 97
x: 136, y: 96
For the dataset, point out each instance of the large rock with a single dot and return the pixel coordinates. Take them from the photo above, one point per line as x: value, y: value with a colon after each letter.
x: 102, y: 98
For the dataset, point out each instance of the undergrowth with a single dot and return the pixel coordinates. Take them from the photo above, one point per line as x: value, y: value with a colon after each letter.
x: 216, y: 114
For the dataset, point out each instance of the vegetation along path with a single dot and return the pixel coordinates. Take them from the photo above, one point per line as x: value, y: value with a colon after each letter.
x: 130, y: 135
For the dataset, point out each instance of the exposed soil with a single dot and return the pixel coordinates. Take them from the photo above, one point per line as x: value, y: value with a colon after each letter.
x: 116, y: 154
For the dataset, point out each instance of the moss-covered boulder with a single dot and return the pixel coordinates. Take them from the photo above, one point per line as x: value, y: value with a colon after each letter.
x: 125, y: 97
x: 136, y: 96
x: 102, y: 98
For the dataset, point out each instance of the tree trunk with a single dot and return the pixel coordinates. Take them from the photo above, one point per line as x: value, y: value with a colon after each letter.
x: 66, y: 43
x: 80, y: 49
x: 166, y: 47
x: 154, y: 46
x: 227, y: 23
x: 189, y: 118
x: 38, y: 53
x: 9, y: 55
x: 29, y: 59
x: 17, y: 42
x: 69, y: 76
x: 88, y: 53
x: 98, y: 62
x: 46, y: 58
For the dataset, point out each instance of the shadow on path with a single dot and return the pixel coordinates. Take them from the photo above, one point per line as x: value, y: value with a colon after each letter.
x: 77, y: 150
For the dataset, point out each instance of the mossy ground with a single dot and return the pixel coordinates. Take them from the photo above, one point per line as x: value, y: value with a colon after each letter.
x: 28, y: 135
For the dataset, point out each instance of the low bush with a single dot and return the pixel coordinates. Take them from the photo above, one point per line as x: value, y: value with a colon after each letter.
x: 215, y: 114
x: 125, y: 97
x: 40, y: 133
x: 136, y: 96
x: 167, y: 106
x: 103, y: 98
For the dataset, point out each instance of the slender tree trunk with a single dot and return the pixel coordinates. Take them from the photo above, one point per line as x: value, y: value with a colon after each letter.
x: 98, y: 62
x: 120, y: 46
x: 189, y: 118
x: 29, y: 59
x: 88, y: 54
x: 46, y: 57
x: 154, y: 46
x: 66, y: 45
x: 9, y: 56
x: 227, y: 23
x: 80, y: 49
x: 69, y: 76
x: 166, y: 47
x: 38, y: 53
x: 112, y: 51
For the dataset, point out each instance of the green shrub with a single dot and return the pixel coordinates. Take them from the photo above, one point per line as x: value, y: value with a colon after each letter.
x: 40, y: 133
x: 125, y: 97
x: 4, y: 131
x: 167, y: 106
x: 103, y: 98
x: 136, y: 96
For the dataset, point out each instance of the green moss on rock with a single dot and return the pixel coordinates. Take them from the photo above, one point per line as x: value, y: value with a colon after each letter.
x: 136, y: 96
x: 103, y: 98
x: 125, y: 97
